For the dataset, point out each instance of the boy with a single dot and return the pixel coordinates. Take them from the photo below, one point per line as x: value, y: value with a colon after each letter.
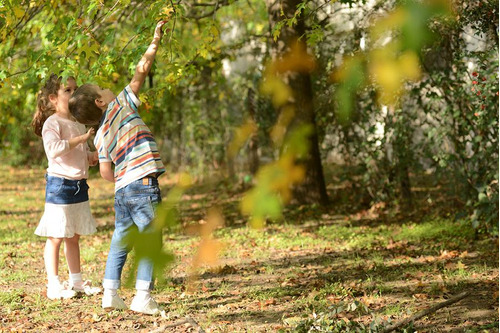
x: 125, y: 141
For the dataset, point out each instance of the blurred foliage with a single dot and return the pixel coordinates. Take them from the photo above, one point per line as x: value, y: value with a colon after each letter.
x: 274, y: 181
x: 146, y: 245
x: 392, y: 58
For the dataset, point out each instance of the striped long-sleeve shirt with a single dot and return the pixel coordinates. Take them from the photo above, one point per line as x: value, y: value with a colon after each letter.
x: 124, y: 139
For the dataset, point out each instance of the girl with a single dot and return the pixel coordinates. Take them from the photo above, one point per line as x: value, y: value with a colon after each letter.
x: 67, y: 210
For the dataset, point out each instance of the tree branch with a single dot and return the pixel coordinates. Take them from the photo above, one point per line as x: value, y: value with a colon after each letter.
x: 217, y: 5
x: 426, y: 312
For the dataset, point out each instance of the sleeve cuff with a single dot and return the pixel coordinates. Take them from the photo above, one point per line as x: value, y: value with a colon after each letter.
x: 133, y: 98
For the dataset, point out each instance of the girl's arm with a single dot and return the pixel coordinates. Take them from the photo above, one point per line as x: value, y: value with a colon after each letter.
x: 73, y: 142
x: 93, y: 157
x: 144, y: 66
x: 54, y: 145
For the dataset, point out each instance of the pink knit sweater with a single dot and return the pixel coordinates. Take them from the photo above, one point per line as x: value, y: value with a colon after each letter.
x: 65, y: 162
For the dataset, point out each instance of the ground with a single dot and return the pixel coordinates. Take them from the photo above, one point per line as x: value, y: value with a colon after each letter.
x: 318, y: 267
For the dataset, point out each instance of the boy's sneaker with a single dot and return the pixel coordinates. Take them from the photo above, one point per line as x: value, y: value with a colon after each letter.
x: 113, y: 302
x: 84, y: 287
x: 146, y: 305
x: 57, y: 291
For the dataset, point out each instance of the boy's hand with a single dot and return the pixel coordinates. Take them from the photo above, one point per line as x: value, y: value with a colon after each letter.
x: 159, y: 29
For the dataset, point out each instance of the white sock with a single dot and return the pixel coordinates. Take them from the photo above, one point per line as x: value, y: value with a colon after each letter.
x: 110, y: 292
x: 142, y: 294
x: 53, y: 280
x: 77, y: 277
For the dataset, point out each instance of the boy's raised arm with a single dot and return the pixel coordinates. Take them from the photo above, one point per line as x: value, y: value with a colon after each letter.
x: 144, y: 66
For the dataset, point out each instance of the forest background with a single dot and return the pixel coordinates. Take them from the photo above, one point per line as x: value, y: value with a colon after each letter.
x: 383, y: 101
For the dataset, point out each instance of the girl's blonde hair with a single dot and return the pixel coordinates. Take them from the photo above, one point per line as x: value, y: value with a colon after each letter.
x: 44, y: 108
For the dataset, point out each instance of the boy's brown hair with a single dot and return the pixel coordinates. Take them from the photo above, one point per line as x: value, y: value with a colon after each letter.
x: 82, y: 105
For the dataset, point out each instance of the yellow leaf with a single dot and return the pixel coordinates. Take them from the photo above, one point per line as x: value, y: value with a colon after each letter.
x: 203, y: 53
x: 214, y: 221
x: 259, y: 27
x: 279, y: 91
x: 63, y: 48
x: 241, y: 135
x: 279, y: 129
x: 257, y: 222
x: 214, y: 32
x: 18, y: 12
x: 185, y: 180
x: 208, y: 252
x: 296, y: 60
x: 167, y: 12
x: 89, y: 49
x: 248, y: 201
x: 394, y: 21
x: 409, y: 65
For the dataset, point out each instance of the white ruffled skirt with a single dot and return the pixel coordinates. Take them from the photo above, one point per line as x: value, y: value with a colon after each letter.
x: 64, y: 221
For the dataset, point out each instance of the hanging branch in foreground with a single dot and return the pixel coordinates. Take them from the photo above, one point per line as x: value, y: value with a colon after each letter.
x: 426, y: 312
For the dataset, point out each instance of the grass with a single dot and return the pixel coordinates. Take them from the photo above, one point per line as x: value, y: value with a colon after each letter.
x: 266, y: 280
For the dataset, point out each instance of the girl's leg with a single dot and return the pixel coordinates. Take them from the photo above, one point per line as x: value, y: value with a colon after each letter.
x: 72, y: 253
x: 51, y: 257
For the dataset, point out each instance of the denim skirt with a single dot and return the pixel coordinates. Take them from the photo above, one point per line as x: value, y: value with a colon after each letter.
x: 67, y: 209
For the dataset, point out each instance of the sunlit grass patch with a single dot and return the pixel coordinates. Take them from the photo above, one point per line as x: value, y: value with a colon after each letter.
x: 13, y: 299
x: 435, y: 229
x: 394, y: 309
x: 16, y: 231
x: 17, y: 276
x: 356, y: 237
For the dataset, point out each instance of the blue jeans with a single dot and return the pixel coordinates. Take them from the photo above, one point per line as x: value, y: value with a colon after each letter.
x: 134, y: 212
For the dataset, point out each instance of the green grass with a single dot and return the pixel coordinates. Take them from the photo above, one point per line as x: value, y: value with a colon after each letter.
x: 12, y: 300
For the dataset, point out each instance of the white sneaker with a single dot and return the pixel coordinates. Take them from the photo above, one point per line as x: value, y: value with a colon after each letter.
x: 145, y: 305
x: 58, y: 292
x: 85, y: 287
x: 114, y: 302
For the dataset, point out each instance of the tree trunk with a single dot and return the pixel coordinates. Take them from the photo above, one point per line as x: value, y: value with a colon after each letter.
x: 405, y: 185
x: 253, y: 156
x: 313, y: 189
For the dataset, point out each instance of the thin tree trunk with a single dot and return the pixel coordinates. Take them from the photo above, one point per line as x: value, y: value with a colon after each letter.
x: 253, y: 156
x: 405, y: 184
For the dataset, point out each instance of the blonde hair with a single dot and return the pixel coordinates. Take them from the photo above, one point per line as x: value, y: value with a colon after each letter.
x: 44, y: 108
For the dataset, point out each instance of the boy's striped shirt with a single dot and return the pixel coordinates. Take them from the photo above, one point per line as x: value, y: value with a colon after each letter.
x: 124, y: 139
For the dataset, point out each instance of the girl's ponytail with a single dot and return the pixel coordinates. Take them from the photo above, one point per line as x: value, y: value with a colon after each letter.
x: 44, y: 107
